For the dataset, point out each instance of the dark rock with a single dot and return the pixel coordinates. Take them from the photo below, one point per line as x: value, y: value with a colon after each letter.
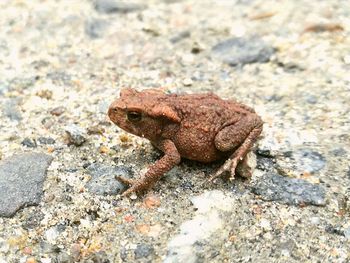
x: 75, y: 135
x: 290, y: 67
x: 273, y: 97
x: 31, y: 143
x: 300, y: 161
x: 10, y: 109
x: 265, y: 163
x: 103, y: 180
x: 180, y: 36
x: 71, y: 170
x: 292, y: 191
x: 143, y: 251
x: 115, y: 6
x: 240, y: 51
x: 95, y: 28
x: 336, y: 230
x: 33, y: 220
x: 46, y: 140
x: 187, y: 185
x: 21, y: 181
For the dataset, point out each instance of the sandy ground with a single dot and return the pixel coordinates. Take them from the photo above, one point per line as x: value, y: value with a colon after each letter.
x: 61, y: 64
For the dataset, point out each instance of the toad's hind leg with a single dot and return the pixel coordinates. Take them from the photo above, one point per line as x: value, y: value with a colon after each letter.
x: 241, y: 136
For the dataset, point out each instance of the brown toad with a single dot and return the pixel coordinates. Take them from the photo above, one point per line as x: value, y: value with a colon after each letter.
x: 201, y: 127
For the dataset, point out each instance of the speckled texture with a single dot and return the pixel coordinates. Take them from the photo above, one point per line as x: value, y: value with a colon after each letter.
x: 54, y: 74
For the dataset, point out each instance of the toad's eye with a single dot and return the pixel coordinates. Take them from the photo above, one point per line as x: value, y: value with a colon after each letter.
x: 134, y: 116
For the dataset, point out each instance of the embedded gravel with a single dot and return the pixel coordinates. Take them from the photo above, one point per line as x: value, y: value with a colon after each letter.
x: 61, y: 64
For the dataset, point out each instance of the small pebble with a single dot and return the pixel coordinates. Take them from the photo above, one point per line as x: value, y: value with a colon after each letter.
x: 95, y: 130
x: 143, y: 229
x: 10, y: 109
x: 75, y: 135
x: 187, y: 82
x: 29, y: 143
x: 27, y: 251
x: 143, y: 251
x: 58, y: 111
x: 240, y: 51
x: 116, y: 6
x: 95, y: 28
x: 75, y: 251
x: 151, y: 201
x: 45, y: 94
x: 103, y: 180
x: 31, y: 260
x: 46, y: 140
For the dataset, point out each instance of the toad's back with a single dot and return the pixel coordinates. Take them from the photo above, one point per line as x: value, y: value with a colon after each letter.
x: 202, y: 117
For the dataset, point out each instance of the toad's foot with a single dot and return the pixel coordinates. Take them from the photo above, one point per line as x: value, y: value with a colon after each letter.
x: 125, y: 181
x: 229, y: 166
x: 135, y: 185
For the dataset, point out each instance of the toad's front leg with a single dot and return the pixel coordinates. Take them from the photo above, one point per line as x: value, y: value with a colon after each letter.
x: 155, y: 172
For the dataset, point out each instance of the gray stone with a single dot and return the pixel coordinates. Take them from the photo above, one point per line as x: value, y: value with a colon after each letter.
x: 22, y: 83
x: 291, y: 191
x: 347, y: 233
x: 3, y: 88
x: 143, y: 251
x: 46, y: 140
x: 114, y: 6
x: 103, y: 180
x: 75, y: 135
x: 10, y: 109
x: 103, y: 106
x: 95, y: 28
x: 240, y: 51
x: 300, y: 161
x: 180, y: 36
x: 21, y: 181
x: 60, y: 78
x: 29, y: 143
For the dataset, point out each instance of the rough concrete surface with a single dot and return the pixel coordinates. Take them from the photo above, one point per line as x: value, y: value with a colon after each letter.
x: 63, y: 61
